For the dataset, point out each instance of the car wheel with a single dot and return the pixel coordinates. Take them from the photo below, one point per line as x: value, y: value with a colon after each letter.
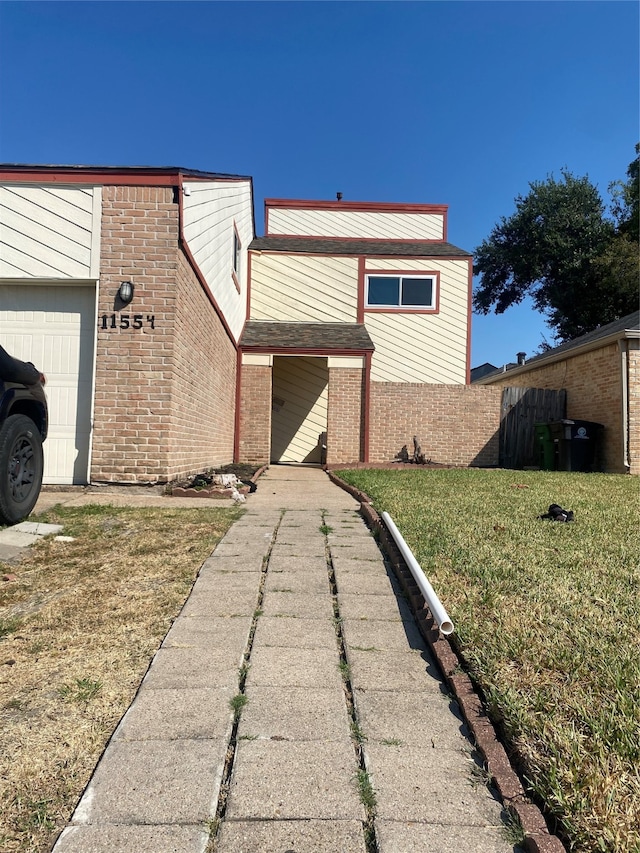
x: 21, y: 466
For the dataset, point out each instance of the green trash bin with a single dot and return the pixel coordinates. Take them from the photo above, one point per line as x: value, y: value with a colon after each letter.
x: 545, y: 450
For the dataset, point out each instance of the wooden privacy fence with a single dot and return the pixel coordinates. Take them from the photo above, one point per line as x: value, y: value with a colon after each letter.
x: 521, y: 409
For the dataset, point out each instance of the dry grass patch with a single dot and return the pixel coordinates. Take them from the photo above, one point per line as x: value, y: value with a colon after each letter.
x: 78, y: 629
x: 548, y: 618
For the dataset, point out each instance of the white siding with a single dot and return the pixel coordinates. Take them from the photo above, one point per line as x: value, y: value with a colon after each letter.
x: 356, y: 224
x: 54, y: 327
x: 299, y: 410
x: 49, y: 232
x: 423, y: 347
x: 304, y: 288
x: 210, y: 211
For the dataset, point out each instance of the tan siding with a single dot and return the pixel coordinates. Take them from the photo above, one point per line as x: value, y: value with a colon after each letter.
x: 367, y: 224
x: 303, y: 288
x: 209, y: 215
x: 423, y: 347
x: 48, y: 232
x: 299, y: 413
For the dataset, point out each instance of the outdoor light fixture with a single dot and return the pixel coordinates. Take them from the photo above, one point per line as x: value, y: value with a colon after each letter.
x: 125, y: 292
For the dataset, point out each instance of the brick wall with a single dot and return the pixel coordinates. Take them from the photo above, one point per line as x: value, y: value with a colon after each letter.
x: 139, y: 239
x: 594, y: 393
x: 164, y: 394
x: 254, y: 443
x: 455, y: 424
x: 344, y: 418
x: 204, y: 382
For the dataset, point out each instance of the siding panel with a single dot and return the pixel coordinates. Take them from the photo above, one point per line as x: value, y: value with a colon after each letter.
x: 423, y: 347
x: 209, y: 215
x: 49, y: 232
x: 367, y: 224
x: 304, y: 288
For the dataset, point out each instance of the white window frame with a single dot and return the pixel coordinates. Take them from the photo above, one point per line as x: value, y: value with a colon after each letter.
x: 398, y: 305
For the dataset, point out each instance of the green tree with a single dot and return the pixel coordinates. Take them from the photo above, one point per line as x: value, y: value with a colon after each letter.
x: 559, y: 247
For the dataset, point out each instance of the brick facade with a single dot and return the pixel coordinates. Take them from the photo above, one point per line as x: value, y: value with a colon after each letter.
x: 345, y: 434
x: 593, y: 384
x: 164, y: 395
x: 254, y: 439
x: 455, y: 424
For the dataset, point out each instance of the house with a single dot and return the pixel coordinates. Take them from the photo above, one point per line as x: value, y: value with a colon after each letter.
x: 140, y: 388
x: 175, y: 340
x: 354, y: 311
x: 600, y: 372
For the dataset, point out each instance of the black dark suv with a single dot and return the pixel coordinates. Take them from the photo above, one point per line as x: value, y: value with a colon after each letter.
x: 23, y: 428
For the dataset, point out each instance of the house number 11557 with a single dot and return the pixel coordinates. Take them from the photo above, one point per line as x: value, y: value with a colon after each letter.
x: 127, y: 321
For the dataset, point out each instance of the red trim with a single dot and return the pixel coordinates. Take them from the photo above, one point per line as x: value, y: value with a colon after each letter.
x: 236, y: 425
x: 95, y: 176
x: 309, y: 204
x: 248, y: 307
x: 194, y: 266
x: 402, y: 309
x: 367, y: 407
x: 361, y: 273
x: 469, y: 313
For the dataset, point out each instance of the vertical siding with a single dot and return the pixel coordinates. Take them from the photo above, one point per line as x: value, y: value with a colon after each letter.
x: 357, y: 224
x: 49, y: 232
x: 423, y: 347
x: 299, y: 414
x: 304, y: 288
x: 209, y: 215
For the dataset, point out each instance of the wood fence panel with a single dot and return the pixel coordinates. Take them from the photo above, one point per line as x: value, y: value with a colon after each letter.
x: 521, y: 409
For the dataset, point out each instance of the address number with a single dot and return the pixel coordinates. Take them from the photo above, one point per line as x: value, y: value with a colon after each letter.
x: 127, y: 321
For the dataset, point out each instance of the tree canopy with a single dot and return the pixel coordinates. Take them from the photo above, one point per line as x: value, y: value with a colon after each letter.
x: 560, y: 247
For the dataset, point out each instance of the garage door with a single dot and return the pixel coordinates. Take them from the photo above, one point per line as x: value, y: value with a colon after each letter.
x: 54, y: 327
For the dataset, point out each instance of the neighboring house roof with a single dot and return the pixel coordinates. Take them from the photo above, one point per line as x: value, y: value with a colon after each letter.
x: 347, y: 246
x: 325, y: 337
x: 625, y: 327
x: 481, y: 370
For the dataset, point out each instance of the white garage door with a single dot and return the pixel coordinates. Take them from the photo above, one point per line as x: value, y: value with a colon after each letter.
x: 54, y: 327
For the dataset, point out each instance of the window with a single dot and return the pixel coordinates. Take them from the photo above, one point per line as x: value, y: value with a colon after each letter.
x: 236, y: 252
x: 401, y: 291
x: 235, y: 257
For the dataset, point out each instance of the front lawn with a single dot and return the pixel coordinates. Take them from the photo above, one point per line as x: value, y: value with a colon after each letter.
x: 79, y: 624
x: 548, y: 617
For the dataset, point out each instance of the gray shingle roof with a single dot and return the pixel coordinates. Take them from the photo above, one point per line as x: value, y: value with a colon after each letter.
x: 325, y: 246
x: 629, y: 323
x: 345, y: 337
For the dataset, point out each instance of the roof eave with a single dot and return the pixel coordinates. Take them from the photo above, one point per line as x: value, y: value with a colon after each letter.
x: 551, y: 357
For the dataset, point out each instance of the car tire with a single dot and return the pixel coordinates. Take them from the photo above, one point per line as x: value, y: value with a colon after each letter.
x: 21, y: 464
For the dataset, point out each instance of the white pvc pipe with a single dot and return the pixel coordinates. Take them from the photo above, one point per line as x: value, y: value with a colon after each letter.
x: 435, y: 606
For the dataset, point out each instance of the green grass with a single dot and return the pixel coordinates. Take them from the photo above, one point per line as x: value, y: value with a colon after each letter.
x: 548, y: 618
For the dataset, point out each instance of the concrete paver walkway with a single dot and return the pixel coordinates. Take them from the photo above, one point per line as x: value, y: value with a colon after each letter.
x: 295, y: 622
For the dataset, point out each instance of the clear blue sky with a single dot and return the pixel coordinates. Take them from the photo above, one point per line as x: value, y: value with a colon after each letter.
x: 458, y: 103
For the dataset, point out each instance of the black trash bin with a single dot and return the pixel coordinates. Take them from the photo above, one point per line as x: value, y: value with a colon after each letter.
x: 576, y: 444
